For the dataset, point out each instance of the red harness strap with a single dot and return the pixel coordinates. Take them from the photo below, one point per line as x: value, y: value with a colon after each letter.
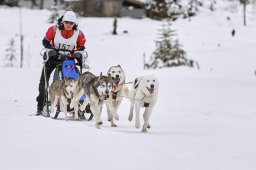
x: 71, y: 68
x: 117, y: 85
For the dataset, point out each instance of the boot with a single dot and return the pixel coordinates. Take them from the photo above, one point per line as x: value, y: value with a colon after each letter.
x: 38, y: 112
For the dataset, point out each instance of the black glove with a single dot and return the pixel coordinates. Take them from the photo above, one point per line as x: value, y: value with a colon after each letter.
x: 50, y: 53
x: 45, y: 56
x: 81, y: 56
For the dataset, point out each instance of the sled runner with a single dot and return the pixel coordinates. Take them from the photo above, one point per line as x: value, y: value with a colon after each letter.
x: 66, y: 67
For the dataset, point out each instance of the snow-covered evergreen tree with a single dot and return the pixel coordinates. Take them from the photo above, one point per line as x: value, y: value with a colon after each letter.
x: 168, y: 52
x: 11, y: 3
x: 160, y: 9
x: 192, y: 7
x: 10, y: 56
x: 55, y: 13
x: 157, y: 9
x: 175, y: 8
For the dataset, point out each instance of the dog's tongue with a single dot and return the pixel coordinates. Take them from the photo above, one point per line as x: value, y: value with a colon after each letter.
x: 150, y: 90
x: 104, y: 96
x: 116, y: 80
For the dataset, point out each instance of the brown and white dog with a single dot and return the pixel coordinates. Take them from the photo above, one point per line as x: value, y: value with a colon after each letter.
x: 119, y: 90
x: 143, y: 95
x: 62, y: 91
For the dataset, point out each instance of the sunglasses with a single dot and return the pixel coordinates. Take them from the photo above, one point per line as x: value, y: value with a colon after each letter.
x: 67, y: 22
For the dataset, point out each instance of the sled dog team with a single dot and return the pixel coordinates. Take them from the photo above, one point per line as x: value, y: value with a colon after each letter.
x: 109, y: 90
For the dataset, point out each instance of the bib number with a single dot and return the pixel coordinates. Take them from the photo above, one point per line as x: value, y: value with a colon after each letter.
x: 64, y: 47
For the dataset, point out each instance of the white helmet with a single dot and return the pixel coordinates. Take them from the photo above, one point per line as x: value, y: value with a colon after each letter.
x: 69, y: 16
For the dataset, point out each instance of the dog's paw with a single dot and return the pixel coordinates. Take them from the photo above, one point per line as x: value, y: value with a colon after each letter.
x: 99, y: 123
x: 137, y: 125
x: 110, y: 117
x: 116, y: 116
x: 144, y: 130
x: 130, y: 117
x: 148, y: 126
x: 113, y: 125
x: 77, y: 118
x: 97, y: 126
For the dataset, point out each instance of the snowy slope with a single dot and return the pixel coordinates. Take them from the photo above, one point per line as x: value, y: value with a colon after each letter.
x: 203, y: 120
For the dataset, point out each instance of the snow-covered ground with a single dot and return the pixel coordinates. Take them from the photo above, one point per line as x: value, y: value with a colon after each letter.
x: 204, y: 119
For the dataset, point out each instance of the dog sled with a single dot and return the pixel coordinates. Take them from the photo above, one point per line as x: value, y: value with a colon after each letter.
x: 67, y: 66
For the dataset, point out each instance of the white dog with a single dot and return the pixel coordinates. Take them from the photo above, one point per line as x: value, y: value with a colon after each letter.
x: 143, y: 94
x: 119, y: 90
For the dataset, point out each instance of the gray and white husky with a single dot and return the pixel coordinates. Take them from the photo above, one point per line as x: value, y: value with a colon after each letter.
x: 119, y: 89
x: 97, y: 91
x: 143, y: 95
x: 61, y: 91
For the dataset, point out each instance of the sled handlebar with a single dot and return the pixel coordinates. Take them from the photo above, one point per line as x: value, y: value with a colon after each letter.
x: 60, y: 63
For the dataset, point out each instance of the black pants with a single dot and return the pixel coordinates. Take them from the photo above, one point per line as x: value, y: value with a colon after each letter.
x: 50, y: 66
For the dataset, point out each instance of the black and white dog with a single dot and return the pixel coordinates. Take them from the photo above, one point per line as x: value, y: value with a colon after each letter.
x: 97, y: 91
x: 143, y: 95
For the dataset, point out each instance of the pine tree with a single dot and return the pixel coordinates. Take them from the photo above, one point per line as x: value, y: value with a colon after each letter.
x: 192, y: 7
x: 10, y: 56
x: 157, y: 9
x: 172, y: 9
x: 168, y: 52
x: 2, y: 2
x: 55, y: 13
x: 11, y: 3
x: 160, y: 9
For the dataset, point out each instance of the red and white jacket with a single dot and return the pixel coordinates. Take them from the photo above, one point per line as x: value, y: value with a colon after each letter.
x: 66, y: 34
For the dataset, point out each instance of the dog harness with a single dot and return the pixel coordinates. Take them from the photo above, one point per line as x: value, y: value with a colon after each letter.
x: 136, y: 83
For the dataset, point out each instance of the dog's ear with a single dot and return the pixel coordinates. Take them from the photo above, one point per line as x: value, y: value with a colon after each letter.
x: 109, y: 76
x: 100, y: 76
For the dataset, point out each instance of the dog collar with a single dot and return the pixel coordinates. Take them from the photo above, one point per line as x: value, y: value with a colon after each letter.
x: 67, y: 94
x: 146, y: 104
x: 114, y: 95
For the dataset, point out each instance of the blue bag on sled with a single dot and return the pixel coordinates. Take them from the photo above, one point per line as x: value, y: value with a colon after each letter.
x: 69, y: 71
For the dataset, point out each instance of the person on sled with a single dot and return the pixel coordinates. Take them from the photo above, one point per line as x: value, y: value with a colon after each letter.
x: 64, y: 36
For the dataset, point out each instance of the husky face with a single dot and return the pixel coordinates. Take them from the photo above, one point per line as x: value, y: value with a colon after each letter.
x: 150, y: 84
x: 104, y: 86
x: 70, y: 84
x: 117, y: 74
